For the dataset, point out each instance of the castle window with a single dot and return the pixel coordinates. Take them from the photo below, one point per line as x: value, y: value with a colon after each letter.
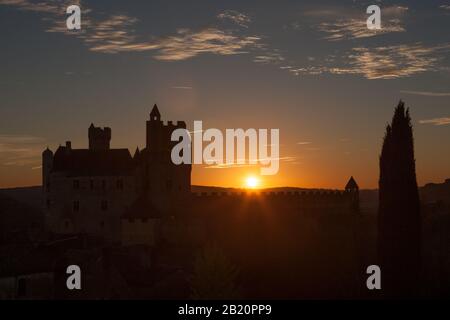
x: 91, y: 184
x: 120, y: 184
x: 76, y: 184
x: 76, y: 206
x: 104, y: 205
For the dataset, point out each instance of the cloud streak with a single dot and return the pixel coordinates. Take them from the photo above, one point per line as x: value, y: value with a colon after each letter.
x: 239, y: 164
x: 396, y: 61
x: 182, y: 87
x: 427, y: 93
x: 20, y: 150
x: 116, y: 33
x: 436, y: 121
x: 386, y: 62
x: 235, y: 17
x: 187, y: 44
x: 352, y: 25
x: 356, y: 29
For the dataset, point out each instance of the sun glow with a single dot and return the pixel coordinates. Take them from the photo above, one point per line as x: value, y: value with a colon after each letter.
x: 252, y: 182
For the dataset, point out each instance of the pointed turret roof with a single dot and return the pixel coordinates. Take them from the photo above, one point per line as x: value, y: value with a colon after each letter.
x: 136, y: 153
x: 155, y: 112
x: 351, y: 184
x: 47, y: 151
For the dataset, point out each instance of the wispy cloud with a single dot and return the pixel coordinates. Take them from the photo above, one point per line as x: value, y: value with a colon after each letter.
x: 116, y: 33
x: 19, y: 139
x: 304, y: 142
x: 351, y: 24
x: 53, y: 12
x: 20, y: 150
x: 396, y: 61
x: 385, y: 62
x: 236, y: 17
x: 182, y: 87
x: 436, y: 121
x: 187, y: 44
x: 357, y: 28
x: 273, y: 57
x: 244, y: 162
x: 53, y: 7
x: 324, y: 12
x: 426, y: 93
x: 445, y: 7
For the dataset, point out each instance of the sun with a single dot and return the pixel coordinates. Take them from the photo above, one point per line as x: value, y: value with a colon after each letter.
x: 251, y: 182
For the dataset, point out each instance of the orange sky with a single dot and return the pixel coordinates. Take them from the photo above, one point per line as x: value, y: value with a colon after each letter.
x: 329, y: 86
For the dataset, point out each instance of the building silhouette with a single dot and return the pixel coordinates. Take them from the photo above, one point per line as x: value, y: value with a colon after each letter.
x: 143, y: 198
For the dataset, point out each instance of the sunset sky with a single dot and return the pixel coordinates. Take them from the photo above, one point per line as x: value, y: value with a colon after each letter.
x: 310, y: 69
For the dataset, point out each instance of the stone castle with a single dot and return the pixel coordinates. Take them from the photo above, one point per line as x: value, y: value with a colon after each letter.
x: 109, y: 194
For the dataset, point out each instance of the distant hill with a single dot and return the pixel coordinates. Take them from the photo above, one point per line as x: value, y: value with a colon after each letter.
x: 18, y: 219
x: 434, y: 192
x: 221, y: 189
x: 31, y: 196
x: 431, y: 192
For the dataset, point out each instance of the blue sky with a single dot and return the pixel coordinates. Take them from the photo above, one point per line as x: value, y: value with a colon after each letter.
x: 310, y: 68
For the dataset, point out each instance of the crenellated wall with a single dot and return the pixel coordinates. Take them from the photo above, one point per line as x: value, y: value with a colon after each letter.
x: 316, y: 197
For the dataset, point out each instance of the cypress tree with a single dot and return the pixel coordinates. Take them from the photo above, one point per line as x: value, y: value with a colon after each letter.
x: 399, y: 221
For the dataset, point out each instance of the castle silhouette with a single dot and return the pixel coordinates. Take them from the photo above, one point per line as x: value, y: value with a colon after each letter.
x: 119, y: 198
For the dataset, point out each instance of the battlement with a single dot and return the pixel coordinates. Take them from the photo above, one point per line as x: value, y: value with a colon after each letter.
x: 306, y: 201
x: 312, y: 197
x: 172, y: 126
x: 99, y: 138
x: 288, y: 195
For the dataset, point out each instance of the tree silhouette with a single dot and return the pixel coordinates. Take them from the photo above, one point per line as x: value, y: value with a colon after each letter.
x: 214, y: 276
x: 399, y: 209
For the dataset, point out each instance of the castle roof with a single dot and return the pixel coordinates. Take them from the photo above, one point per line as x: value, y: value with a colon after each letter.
x: 136, y: 153
x: 351, y: 184
x: 86, y: 162
x: 47, y: 152
x: 155, y: 112
x: 142, y: 208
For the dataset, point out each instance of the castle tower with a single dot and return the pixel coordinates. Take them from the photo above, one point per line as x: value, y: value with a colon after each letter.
x: 47, y: 164
x: 99, y: 138
x: 352, y: 188
x: 163, y: 179
x: 154, y: 131
x: 154, y: 114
